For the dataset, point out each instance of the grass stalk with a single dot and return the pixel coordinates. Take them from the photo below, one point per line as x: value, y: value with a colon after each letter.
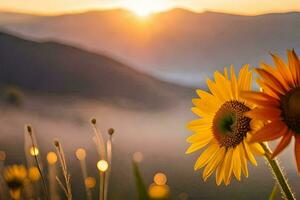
x: 81, y: 156
x: 100, y: 145
x: 52, y: 180
x: 66, y: 187
x: 99, y: 140
x: 109, y: 160
x: 38, y: 164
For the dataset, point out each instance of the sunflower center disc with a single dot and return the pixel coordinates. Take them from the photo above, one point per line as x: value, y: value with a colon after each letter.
x: 290, y: 105
x: 230, y: 126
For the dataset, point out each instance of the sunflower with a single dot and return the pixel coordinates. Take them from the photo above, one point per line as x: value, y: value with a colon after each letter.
x: 223, y: 128
x: 15, y: 177
x: 278, y: 104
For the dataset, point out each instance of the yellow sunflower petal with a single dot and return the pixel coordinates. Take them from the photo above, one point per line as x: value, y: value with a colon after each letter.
x: 249, y: 154
x: 237, y: 166
x: 215, y: 90
x: 260, y: 98
x: 226, y: 73
x: 255, y: 125
x: 228, y: 165
x: 223, y: 85
x: 267, y: 88
x: 285, y: 141
x: 293, y: 63
x: 276, y: 74
x: 241, y: 78
x: 269, y: 132
x: 206, y: 156
x: 264, y: 113
x: 244, y: 79
x: 234, y: 84
x: 197, y: 145
x: 257, y: 149
x: 200, y: 136
x: 297, y: 152
x: 296, y: 62
x: 248, y: 83
x: 219, y: 172
x: 212, y: 165
x: 222, y: 169
x: 208, y: 96
x: 198, y: 125
x: 201, y: 113
x: 274, y: 83
x: 283, y: 69
x: 205, y: 105
x: 243, y: 160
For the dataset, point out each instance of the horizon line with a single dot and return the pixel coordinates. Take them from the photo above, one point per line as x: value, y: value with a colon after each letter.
x: 82, y: 11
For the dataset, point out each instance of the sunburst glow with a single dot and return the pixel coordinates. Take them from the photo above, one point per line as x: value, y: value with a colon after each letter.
x: 144, y: 8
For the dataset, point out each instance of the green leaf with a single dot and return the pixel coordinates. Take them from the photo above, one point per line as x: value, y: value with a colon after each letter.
x: 140, y: 185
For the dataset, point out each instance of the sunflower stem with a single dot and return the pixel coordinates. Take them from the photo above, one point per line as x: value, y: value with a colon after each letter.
x: 278, y: 173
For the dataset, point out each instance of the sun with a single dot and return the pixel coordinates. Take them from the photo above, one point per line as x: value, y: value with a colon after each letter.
x: 143, y: 8
x: 142, y: 11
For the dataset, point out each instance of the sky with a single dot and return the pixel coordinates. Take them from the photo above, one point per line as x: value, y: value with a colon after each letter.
x: 143, y: 7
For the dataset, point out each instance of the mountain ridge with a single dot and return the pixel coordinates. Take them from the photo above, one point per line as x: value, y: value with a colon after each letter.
x: 60, y: 69
x: 174, y: 45
x: 176, y: 9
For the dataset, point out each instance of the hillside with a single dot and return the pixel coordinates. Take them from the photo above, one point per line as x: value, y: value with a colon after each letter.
x: 178, y: 44
x: 54, y: 68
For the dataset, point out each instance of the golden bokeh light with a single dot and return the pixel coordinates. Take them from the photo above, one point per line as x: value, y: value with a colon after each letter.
x: 34, y: 151
x: 160, y: 179
x: 138, y: 157
x: 102, y: 165
x: 51, y: 158
x: 34, y: 174
x: 159, y: 191
x: 80, y: 154
x: 90, y: 182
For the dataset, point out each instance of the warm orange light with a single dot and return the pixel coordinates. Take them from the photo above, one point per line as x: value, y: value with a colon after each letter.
x: 102, y: 165
x: 159, y: 191
x: 144, y: 8
x: 142, y: 11
x: 34, y: 151
x: 160, y: 179
x: 51, y: 158
x: 90, y: 182
x: 80, y: 154
x: 34, y: 174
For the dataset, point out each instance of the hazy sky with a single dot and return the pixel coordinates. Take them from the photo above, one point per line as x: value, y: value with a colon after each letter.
x: 235, y: 6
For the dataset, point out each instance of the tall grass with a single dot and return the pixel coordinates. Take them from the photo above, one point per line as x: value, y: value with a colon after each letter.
x: 66, y: 185
x: 37, y: 160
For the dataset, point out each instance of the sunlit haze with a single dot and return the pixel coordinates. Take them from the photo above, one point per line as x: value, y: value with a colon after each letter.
x: 143, y: 8
x: 146, y: 7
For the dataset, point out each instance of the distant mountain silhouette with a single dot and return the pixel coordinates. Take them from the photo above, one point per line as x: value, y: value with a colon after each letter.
x: 55, y: 68
x: 7, y: 18
x: 177, y: 42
